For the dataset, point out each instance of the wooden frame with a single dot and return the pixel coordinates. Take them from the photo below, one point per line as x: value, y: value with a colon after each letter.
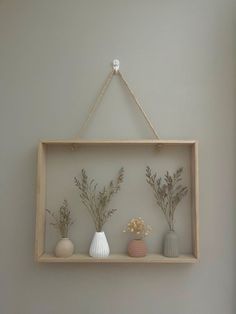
x: 40, y: 255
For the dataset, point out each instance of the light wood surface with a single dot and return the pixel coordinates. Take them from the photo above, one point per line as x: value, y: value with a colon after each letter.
x: 195, y: 200
x: 115, y: 142
x: 40, y: 206
x: 118, y: 258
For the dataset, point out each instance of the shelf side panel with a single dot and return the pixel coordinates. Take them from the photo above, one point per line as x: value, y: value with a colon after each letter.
x: 195, y: 200
x: 40, y: 201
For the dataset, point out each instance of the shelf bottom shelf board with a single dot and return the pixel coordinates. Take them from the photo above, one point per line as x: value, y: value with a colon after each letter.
x: 118, y: 258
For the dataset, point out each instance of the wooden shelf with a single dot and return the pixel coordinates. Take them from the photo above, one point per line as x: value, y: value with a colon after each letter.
x: 41, y: 256
x: 118, y: 258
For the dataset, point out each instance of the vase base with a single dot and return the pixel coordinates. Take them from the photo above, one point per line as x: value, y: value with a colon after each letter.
x: 171, y: 245
x: 99, y: 247
x: 137, y: 248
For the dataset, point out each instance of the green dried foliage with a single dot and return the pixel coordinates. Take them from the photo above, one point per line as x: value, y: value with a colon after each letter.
x: 168, y: 192
x: 97, y: 201
x: 62, y: 219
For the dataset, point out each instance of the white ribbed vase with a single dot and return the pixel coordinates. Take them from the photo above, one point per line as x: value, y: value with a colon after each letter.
x: 99, y: 246
x: 171, y: 247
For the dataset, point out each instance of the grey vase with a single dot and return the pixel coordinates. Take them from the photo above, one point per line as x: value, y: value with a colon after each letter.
x: 171, y: 248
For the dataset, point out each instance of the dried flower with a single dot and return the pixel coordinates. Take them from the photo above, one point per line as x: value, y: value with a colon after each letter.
x: 167, y: 194
x: 62, y: 220
x: 138, y: 227
x: 97, y: 202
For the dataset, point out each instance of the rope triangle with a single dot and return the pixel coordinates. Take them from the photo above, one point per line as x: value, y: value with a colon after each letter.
x: 102, y: 92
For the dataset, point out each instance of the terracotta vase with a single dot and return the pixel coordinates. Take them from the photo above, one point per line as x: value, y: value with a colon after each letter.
x: 137, y: 248
x: 64, y: 248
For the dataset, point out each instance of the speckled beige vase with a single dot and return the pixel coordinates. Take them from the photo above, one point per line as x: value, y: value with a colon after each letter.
x: 171, y: 247
x: 137, y: 248
x: 64, y: 248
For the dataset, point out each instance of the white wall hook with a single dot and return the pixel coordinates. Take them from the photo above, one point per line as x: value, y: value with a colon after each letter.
x: 116, y: 65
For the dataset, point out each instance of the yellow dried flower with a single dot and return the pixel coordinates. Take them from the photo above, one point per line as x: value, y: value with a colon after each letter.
x: 137, y: 226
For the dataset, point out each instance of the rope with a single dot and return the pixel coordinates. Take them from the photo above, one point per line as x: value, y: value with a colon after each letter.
x: 138, y: 104
x: 97, y: 101
x: 101, y: 94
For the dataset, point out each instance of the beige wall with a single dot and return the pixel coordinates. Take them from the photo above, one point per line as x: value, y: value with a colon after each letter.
x: 179, y: 57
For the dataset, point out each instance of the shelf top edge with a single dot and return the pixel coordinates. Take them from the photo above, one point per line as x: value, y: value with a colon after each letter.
x: 116, y: 142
